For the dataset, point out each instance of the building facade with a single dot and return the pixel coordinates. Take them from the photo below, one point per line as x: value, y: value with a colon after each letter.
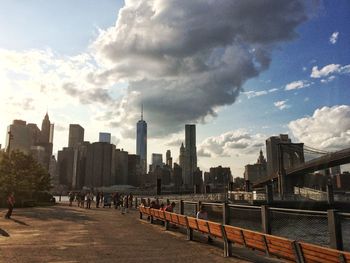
x: 254, y: 172
x: 104, y: 137
x: 76, y: 135
x: 141, y: 143
x: 190, y: 162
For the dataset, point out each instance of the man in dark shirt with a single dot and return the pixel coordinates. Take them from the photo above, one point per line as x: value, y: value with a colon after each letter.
x: 11, y: 204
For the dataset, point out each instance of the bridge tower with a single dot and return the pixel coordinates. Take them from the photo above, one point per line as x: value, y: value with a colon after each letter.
x: 281, y: 155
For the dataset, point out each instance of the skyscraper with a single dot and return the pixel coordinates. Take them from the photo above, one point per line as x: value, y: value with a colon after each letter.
x: 169, y: 159
x: 141, y: 142
x: 76, y: 135
x: 190, y: 154
x: 104, y: 137
x: 45, y: 130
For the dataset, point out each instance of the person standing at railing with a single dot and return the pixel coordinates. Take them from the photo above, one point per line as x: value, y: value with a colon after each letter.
x: 203, y: 215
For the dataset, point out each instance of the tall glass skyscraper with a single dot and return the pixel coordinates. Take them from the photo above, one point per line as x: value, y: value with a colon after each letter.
x: 141, y: 142
x: 190, y: 154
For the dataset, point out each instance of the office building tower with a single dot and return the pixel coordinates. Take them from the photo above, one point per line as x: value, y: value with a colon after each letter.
x: 46, y: 139
x: 100, y: 164
x: 79, y: 165
x: 157, y: 160
x: 257, y: 171
x: 182, y: 161
x: 76, y: 135
x: 65, y: 164
x: 190, y: 154
x: 141, y: 142
x: 18, y: 137
x: 121, y: 167
x: 169, y: 159
x: 52, y: 128
x: 134, y: 169
x: 104, y: 137
x: 45, y: 129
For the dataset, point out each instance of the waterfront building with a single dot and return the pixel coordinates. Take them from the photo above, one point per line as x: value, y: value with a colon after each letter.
x: 134, y: 170
x: 79, y: 165
x: 100, y: 164
x: 28, y: 137
x: 45, y: 130
x: 177, y: 176
x: 65, y: 163
x: 141, y: 142
x: 254, y: 172
x: 18, y: 137
x: 53, y: 171
x: 121, y: 166
x: 76, y: 135
x: 157, y: 160
x: 104, y: 137
x: 182, y: 161
x: 190, y: 162
x: 169, y: 159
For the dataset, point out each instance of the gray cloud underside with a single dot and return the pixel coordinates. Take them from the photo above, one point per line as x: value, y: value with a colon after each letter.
x: 185, y: 59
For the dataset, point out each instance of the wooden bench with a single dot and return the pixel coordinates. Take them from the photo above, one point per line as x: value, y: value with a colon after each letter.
x: 313, y: 253
x: 274, y: 246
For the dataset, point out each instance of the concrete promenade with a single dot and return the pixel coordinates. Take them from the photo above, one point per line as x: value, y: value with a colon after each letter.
x: 70, y: 234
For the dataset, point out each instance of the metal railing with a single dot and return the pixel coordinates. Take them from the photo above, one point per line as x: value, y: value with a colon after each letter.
x: 318, y: 227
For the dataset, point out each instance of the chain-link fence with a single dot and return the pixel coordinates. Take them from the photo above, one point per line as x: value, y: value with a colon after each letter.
x: 248, y: 217
x: 308, y: 226
x: 214, y: 211
x: 345, y: 228
x: 190, y: 208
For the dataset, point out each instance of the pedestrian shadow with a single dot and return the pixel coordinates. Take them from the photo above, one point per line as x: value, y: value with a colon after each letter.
x: 19, y: 222
x: 4, y: 233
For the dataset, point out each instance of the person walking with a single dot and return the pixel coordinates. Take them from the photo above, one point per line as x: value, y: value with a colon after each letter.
x: 88, y: 200
x: 71, y: 198
x: 98, y: 197
x: 10, y: 203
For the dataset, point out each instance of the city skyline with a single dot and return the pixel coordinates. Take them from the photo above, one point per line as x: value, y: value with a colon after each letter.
x: 291, y: 82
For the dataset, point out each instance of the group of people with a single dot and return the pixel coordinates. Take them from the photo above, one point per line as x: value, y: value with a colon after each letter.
x: 169, y: 207
x: 120, y: 201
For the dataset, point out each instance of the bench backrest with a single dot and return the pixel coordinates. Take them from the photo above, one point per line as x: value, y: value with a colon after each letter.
x: 280, y: 247
x: 215, y: 229
x: 314, y: 253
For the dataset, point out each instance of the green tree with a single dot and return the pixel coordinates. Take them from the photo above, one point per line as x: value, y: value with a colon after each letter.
x: 22, y: 173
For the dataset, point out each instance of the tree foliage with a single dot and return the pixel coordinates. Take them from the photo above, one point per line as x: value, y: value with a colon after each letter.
x: 22, y: 173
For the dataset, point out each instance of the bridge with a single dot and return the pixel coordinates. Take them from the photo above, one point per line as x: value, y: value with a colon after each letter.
x: 291, y: 175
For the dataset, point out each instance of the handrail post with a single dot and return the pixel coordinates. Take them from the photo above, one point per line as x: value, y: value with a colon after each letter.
x: 225, y: 214
x: 330, y: 195
x: 334, y: 229
x: 269, y: 194
x: 182, y: 207
x: 198, y: 206
x: 265, y: 219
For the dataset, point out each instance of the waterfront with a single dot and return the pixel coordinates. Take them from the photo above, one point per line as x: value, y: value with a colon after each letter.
x: 70, y: 234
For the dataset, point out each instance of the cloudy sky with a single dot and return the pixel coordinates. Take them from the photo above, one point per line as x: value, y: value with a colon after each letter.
x: 242, y: 70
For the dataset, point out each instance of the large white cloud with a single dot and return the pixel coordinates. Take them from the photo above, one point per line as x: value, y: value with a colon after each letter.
x: 184, y: 59
x: 328, y: 128
x: 329, y: 70
x: 181, y: 59
x: 232, y: 142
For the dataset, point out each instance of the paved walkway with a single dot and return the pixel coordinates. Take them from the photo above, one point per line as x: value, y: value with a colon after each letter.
x: 71, y: 234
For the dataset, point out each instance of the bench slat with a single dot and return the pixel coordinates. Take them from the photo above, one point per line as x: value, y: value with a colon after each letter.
x: 192, y: 223
x: 215, y: 229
